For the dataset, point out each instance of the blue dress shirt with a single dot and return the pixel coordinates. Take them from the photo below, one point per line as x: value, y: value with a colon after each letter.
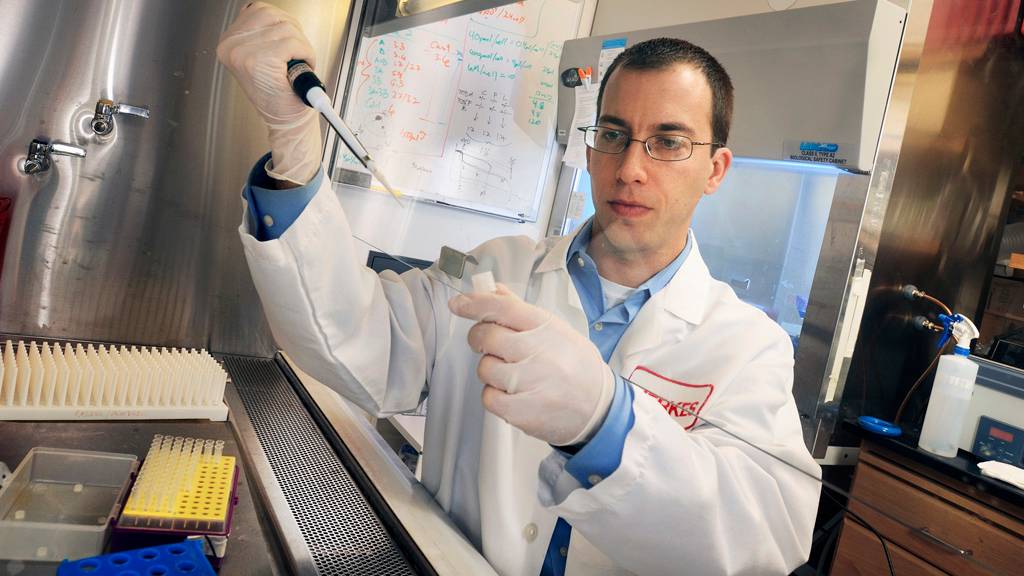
x: 601, y: 456
x: 274, y: 211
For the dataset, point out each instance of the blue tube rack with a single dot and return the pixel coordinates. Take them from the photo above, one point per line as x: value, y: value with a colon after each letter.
x: 182, y: 558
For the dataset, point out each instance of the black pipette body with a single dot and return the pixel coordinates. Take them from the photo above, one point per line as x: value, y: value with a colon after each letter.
x: 302, y: 78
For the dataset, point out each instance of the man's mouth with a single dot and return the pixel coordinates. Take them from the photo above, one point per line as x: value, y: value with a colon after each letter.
x: 628, y: 209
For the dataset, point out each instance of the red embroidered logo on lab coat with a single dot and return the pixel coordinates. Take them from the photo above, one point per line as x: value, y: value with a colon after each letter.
x: 679, y: 399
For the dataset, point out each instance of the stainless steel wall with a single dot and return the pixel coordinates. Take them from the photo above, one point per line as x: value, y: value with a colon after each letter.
x: 964, y: 137
x: 137, y: 242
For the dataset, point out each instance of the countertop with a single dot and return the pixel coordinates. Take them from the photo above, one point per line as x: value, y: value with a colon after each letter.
x: 962, y: 468
x: 251, y: 548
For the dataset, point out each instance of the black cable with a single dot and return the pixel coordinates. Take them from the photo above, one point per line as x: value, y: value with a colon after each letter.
x: 885, y: 549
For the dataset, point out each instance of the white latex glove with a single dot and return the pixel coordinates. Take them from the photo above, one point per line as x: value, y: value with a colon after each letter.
x: 256, y: 49
x: 540, y: 375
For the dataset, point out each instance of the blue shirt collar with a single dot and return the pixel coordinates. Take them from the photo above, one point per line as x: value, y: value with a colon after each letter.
x: 577, y: 249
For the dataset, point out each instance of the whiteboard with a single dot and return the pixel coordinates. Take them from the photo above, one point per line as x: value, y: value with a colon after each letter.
x: 462, y: 111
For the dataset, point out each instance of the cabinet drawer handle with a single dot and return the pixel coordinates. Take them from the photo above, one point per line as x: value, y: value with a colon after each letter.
x: 924, y: 533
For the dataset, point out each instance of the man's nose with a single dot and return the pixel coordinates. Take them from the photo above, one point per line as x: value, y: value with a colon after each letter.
x: 634, y: 163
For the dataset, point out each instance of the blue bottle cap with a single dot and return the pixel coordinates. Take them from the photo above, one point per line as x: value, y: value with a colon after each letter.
x: 879, y: 426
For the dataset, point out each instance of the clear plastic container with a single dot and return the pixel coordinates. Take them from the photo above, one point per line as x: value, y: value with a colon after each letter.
x: 947, y: 406
x: 60, y: 503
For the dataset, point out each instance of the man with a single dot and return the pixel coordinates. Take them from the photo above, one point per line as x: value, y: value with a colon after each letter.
x: 595, y: 462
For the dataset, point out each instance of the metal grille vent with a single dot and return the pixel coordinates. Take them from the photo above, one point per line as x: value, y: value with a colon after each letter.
x: 343, y: 534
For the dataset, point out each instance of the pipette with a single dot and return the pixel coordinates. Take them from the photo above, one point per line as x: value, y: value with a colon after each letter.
x: 311, y: 90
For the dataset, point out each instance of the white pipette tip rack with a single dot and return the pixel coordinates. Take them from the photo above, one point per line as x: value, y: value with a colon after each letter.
x: 87, y: 382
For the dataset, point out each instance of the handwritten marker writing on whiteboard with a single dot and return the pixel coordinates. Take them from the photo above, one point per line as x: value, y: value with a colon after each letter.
x: 311, y: 90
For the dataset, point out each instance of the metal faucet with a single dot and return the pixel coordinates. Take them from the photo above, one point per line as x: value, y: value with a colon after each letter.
x: 103, y: 119
x: 39, y: 152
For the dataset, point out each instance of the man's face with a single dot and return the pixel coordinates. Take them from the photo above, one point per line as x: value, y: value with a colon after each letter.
x: 643, y: 206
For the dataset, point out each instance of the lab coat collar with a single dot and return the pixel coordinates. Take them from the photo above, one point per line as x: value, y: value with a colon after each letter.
x: 555, y: 258
x: 687, y: 293
x: 685, y: 298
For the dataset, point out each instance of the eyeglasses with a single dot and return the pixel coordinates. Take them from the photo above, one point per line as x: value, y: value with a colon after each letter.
x: 664, y: 147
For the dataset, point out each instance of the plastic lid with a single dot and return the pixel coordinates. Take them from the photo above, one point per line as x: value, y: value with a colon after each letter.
x: 961, y: 351
x: 879, y: 426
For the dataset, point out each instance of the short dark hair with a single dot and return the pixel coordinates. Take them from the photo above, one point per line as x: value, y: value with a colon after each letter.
x: 659, y: 53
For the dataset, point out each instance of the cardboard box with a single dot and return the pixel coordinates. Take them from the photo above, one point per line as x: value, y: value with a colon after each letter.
x: 1006, y: 298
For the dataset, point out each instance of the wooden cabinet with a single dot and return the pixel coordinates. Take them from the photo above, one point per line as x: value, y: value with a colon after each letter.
x: 931, y: 525
x: 860, y: 553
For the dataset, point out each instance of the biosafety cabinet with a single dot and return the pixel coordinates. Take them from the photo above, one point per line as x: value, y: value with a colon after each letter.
x: 871, y: 149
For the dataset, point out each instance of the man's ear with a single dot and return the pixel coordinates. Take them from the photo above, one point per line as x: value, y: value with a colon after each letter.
x: 721, y: 160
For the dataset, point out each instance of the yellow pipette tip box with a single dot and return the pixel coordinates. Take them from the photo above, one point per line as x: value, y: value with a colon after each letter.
x: 185, y: 485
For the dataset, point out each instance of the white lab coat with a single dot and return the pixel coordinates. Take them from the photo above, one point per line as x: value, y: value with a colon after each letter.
x: 686, y: 498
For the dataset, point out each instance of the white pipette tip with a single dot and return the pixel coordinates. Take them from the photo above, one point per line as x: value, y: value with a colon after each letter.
x: 319, y: 101
x: 372, y: 167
